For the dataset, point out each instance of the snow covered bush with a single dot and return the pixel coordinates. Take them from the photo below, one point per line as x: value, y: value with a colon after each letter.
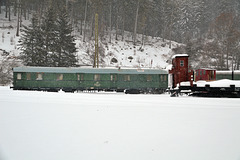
x: 7, y: 62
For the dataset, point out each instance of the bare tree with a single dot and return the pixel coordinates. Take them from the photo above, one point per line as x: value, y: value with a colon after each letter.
x: 135, y: 24
x: 85, y: 19
x: 18, y: 16
x: 226, y: 34
x: 110, y: 21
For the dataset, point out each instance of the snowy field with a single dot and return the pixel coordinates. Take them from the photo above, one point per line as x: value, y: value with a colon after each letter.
x: 114, y: 126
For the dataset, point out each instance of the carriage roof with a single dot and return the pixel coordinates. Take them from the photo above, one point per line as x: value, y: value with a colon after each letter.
x: 88, y: 70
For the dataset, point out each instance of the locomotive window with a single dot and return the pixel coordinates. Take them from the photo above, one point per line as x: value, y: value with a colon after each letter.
x: 19, y: 76
x: 39, y: 76
x: 149, y: 78
x: 60, y: 77
x: 28, y: 76
x: 97, y: 77
x: 127, y: 78
x: 182, y: 63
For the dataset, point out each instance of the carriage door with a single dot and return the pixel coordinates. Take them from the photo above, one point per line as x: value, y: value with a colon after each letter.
x: 113, y: 81
x: 80, y: 78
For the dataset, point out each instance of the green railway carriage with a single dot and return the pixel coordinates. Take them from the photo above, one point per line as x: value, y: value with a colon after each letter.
x: 228, y: 75
x: 79, y: 79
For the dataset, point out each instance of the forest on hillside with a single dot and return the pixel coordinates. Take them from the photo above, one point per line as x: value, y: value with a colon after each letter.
x: 209, y: 30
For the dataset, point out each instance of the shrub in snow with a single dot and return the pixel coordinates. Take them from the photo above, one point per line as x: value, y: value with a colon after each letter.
x: 6, y: 64
x: 114, y: 60
x: 141, y: 49
x: 130, y: 58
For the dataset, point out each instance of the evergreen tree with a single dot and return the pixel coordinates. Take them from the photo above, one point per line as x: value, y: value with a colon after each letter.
x: 31, y: 44
x: 50, y: 43
x: 49, y: 36
x: 64, y: 53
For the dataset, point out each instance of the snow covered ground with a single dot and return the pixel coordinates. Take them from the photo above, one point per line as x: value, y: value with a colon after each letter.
x: 114, y: 126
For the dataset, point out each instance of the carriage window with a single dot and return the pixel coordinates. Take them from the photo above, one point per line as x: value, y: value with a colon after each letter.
x: 39, y: 76
x: 211, y: 75
x: 149, y: 78
x: 19, y: 76
x: 97, y: 77
x: 113, y: 77
x: 163, y: 78
x: 60, y: 77
x: 182, y: 63
x: 127, y: 78
x: 80, y: 77
x: 28, y: 76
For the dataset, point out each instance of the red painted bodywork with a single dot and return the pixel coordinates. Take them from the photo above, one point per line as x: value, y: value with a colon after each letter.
x: 181, y: 73
x: 180, y: 70
x: 205, y: 74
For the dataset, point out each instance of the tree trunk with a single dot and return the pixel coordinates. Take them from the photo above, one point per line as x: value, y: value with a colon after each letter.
x: 92, y: 26
x: 6, y: 9
x: 18, y: 18
x: 84, y: 23
x: 110, y: 22
x: 238, y: 62
x: 143, y: 34
x: 9, y: 11
x: 116, y: 38
x: 25, y: 11
x: 21, y: 13
x: 15, y: 8
x: 135, y: 25
x: 81, y: 28
x: 123, y: 28
x: 0, y: 7
x: 170, y: 31
x: 227, y: 53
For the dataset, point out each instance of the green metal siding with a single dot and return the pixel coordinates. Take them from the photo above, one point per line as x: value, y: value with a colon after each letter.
x: 227, y: 75
x: 138, y: 80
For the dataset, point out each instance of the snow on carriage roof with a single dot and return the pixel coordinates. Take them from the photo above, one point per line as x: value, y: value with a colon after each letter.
x: 206, y: 69
x: 88, y: 70
x: 228, y: 72
x: 179, y: 55
x: 219, y: 83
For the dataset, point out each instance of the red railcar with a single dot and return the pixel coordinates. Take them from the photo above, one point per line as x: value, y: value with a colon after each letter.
x: 181, y: 81
x: 180, y: 71
x: 205, y: 74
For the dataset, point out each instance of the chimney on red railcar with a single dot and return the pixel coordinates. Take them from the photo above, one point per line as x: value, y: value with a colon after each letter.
x: 179, y: 72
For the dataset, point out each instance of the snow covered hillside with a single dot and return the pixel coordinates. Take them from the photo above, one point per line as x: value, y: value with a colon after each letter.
x: 8, y: 38
x: 101, y: 126
x: 153, y: 54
